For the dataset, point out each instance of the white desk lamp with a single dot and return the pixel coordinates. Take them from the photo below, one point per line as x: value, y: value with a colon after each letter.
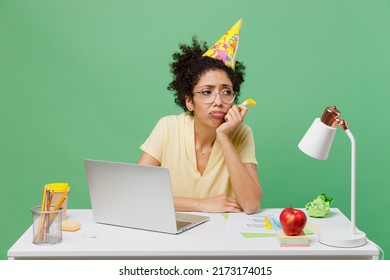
x: 317, y: 143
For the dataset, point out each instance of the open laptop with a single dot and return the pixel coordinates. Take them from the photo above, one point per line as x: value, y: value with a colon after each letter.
x: 136, y: 196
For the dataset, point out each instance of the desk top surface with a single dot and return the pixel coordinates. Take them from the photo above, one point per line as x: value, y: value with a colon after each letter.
x: 208, y: 240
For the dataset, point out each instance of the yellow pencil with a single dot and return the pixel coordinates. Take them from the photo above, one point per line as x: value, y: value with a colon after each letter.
x: 58, y: 206
x: 62, y: 199
x: 43, y: 205
x: 41, y: 225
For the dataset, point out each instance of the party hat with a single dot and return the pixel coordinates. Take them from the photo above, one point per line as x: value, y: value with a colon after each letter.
x: 226, y: 47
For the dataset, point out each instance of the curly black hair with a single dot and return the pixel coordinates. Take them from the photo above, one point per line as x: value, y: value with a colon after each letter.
x: 190, y: 64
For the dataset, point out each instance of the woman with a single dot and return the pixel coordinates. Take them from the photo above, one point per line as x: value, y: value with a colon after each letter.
x: 209, y: 151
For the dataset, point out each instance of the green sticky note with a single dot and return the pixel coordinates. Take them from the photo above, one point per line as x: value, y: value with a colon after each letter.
x: 257, y: 234
x: 307, y: 231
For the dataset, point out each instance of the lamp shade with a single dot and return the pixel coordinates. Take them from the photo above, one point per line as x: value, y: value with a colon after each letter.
x: 318, y: 140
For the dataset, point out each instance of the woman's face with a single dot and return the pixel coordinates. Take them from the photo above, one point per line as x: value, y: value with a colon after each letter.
x: 211, y: 109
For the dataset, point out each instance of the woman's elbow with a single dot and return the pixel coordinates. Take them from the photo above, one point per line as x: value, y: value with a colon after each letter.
x: 252, y: 206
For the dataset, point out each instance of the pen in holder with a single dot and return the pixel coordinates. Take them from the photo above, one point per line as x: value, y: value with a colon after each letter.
x: 47, y: 218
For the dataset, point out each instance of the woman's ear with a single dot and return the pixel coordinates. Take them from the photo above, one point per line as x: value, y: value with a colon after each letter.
x: 189, y: 103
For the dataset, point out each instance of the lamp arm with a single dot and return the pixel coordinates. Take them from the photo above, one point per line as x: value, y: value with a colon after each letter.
x: 353, y: 180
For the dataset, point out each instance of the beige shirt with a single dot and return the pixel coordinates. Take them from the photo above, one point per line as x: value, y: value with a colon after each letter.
x: 172, y: 144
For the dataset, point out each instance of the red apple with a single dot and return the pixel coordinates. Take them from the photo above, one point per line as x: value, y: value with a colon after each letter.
x: 292, y: 221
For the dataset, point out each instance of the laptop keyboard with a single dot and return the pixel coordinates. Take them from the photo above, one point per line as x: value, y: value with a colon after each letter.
x: 181, y: 224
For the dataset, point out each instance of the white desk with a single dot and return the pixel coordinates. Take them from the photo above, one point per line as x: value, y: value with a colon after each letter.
x: 206, y: 241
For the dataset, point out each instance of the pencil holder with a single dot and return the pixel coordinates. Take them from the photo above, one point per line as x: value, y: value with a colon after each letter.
x: 59, y: 192
x: 47, y: 226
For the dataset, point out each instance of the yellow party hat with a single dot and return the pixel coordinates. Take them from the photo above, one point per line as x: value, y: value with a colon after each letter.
x: 226, y: 47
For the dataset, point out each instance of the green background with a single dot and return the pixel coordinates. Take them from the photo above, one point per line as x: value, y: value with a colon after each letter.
x: 87, y: 79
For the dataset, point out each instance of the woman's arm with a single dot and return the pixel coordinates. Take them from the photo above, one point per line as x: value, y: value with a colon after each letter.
x: 147, y: 159
x: 243, y: 176
x: 217, y: 204
x: 244, y: 179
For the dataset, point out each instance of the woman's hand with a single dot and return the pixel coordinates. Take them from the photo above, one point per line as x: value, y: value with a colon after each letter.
x: 219, y: 204
x: 234, y: 117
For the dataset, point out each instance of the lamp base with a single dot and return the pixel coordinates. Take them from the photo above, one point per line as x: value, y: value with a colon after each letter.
x: 342, y: 237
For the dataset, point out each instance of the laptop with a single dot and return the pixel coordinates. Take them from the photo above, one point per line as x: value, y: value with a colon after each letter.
x: 135, y: 196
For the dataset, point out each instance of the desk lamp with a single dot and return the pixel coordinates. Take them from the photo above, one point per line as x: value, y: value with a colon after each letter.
x: 317, y: 143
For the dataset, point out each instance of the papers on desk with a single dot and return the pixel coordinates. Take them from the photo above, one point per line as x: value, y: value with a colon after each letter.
x: 260, y: 225
x: 255, y: 225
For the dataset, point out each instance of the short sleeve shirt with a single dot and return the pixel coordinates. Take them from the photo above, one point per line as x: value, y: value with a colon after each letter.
x: 172, y: 144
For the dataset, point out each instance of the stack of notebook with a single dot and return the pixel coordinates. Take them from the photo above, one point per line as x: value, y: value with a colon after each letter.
x: 292, y: 241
